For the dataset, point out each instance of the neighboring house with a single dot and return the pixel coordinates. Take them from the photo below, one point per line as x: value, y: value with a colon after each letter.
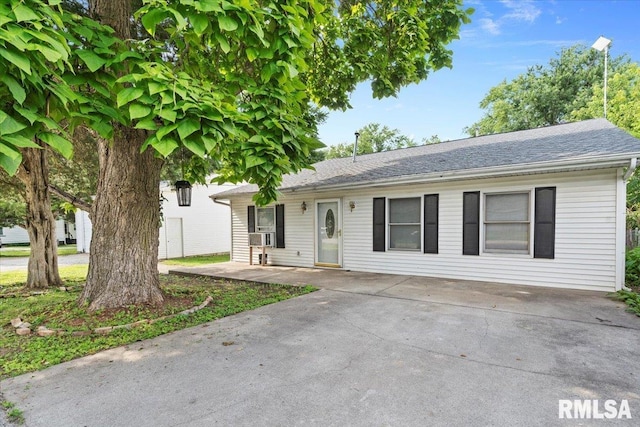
x: 202, y: 228
x: 539, y: 207
x: 65, y: 233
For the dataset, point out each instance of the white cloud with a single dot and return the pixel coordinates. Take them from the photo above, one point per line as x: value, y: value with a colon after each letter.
x: 516, y: 11
x: 490, y: 26
x: 521, y: 10
x: 560, y: 20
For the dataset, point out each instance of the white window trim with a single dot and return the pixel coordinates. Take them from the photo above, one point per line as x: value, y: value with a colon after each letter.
x: 389, y: 223
x: 483, y: 214
x: 260, y: 229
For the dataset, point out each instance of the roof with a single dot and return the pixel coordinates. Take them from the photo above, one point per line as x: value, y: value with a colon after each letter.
x: 581, y: 145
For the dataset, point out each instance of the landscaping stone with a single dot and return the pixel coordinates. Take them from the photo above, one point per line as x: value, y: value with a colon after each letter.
x: 16, y: 322
x: 104, y: 330
x: 47, y: 332
x: 23, y: 331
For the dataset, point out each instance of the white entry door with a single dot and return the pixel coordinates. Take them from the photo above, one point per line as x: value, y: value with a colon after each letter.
x: 328, y: 233
x: 175, y: 247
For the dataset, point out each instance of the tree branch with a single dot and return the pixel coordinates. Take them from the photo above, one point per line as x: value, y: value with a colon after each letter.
x: 78, y: 203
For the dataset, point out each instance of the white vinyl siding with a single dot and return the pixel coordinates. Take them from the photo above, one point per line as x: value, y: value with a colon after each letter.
x: 585, y: 234
x: 298, y: 231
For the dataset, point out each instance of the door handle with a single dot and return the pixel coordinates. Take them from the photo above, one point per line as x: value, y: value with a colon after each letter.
x: 339, y: 233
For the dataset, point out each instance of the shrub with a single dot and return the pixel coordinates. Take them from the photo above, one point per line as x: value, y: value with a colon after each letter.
x: 632, y: 267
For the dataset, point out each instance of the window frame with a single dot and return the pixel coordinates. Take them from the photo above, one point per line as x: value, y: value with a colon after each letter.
x: 529, y: 222
x: 390, y: 224
x: 265, y: 229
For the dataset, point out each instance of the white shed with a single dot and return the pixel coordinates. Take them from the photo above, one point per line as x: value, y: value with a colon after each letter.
x: 202, y: 228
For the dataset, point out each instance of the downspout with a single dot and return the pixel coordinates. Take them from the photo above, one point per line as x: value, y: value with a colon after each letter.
x: 632, y: 167
x: 633, y: 164
x: 218, y: 202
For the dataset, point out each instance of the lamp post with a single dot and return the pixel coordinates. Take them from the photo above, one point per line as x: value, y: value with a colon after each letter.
x: 602, y: 45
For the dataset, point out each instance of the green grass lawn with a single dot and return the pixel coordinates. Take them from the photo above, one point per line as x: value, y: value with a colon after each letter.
x: 57, y: 309
x: 193, y: 261
x: 24, y: 251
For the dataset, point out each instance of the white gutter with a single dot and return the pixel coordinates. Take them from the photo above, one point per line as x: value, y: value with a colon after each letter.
x: 632, y: 167
x: 492, y: 172
x: 216, y: 201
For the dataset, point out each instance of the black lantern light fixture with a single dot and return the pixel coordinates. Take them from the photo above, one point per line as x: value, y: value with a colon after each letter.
x: 183, y: 188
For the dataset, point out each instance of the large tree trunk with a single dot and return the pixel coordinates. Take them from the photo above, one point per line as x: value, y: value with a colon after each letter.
x: 123, y: 263
x: 40, y: 222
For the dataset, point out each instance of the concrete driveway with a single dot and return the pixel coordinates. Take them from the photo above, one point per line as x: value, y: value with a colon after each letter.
x: 372, y: 350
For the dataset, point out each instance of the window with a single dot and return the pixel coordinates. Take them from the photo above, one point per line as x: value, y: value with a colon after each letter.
x: 404, y: 223
x: 507, y: 223
x: 265, y: 220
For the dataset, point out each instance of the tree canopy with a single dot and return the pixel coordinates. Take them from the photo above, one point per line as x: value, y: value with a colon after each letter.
x: 373, y: 138
x: 545, y: 95
x: 228, y: 79
x: 623, y: 100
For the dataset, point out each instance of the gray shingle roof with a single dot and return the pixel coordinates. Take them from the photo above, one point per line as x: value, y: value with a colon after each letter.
x: 572, y: 143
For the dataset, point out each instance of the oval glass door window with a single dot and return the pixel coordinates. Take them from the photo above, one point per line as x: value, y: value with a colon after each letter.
x: 330, y: 223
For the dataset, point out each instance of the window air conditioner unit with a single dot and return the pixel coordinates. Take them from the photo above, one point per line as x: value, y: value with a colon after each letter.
x: 262, y: 239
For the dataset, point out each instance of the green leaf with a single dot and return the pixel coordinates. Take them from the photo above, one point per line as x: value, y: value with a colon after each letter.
x: 253, y: 161
x: 58, y: 143
x: 155, y: 87
x: 128, y: 94
x: 51, y: 54
x: 20, y: 141
x: 93, y: 61
x: 26, y: 113
x: 24, y: 13
x: 138, y: 110
x: 227, y: 23
x: 199, y: 23
x: 224, y: 43
x: 165, y: 130
x: 196, y: 147
x: 208, y: 5
x: 165, y: 146
x: 15, y: 88
x: 186, y: 127
x: 169, y: 115
x: 147, y: 124
x: 16, y: 59
x: 9, y: 163
x: 152, y: 18
x: 9, y: 125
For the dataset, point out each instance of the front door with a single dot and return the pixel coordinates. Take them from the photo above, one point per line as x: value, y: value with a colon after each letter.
x: 328, y: 233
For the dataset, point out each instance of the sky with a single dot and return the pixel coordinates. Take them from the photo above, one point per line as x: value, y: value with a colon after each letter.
x: 504, y: 38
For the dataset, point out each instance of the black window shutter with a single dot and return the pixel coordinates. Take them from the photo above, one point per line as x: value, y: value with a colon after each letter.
x: 379, y: 224
x: 279, y: 226
x: 431, y: 224
x: 471, y: 223
x: 544, y: 233
x: 251, y: 218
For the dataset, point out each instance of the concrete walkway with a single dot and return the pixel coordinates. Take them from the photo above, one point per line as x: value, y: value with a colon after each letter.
x: 364, y: 350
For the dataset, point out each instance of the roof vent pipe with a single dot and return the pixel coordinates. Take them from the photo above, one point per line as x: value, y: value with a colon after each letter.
x: 355, y: 146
